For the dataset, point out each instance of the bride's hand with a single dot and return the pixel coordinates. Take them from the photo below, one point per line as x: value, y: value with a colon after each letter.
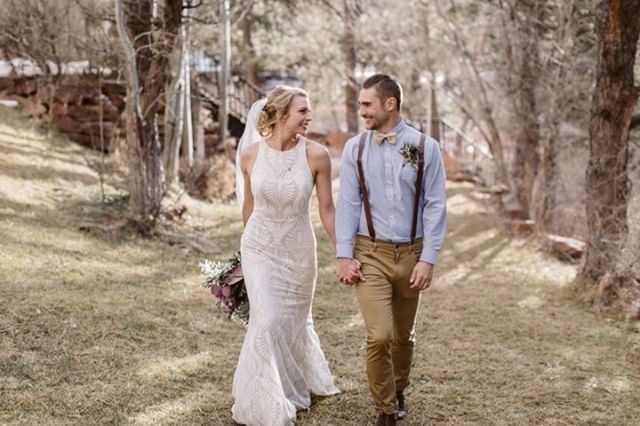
x: 348, y: 271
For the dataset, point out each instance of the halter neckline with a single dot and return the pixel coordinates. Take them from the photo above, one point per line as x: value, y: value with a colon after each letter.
x: 282, y: 151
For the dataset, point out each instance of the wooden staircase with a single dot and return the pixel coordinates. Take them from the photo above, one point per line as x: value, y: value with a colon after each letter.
x: 242, y: 94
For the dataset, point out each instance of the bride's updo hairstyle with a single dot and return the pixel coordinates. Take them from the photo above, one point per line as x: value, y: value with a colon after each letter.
x: 277, y: 107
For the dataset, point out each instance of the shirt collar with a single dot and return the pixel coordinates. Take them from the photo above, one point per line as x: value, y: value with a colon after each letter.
x: 399, y: 127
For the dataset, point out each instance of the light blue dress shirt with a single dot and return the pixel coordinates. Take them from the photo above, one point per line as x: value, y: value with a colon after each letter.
x: 392, y: 183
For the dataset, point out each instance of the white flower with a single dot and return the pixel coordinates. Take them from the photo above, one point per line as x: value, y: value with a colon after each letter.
x: 214, y: 270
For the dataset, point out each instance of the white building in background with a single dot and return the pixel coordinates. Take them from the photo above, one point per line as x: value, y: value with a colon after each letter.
x: 28, y: 68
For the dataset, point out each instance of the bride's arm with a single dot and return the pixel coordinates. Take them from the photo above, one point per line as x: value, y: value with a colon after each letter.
x: 322, y: 163
x: 247, y: 159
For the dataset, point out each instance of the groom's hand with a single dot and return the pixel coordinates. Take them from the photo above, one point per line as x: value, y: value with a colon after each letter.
x: 348, y: 271
x: 421, y: 276
x: 356, y: 271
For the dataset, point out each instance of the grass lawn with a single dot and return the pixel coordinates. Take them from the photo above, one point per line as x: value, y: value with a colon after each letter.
x: 96, y: 332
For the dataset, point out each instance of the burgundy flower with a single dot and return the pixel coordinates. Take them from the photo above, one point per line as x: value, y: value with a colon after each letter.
x: 216, y: 291
x: 234, y: 277
x: 226, y: 291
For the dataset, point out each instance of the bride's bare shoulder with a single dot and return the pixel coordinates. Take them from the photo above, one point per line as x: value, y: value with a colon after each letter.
x: 316, y: 150
x: 250, y: 152
x: 248, y: 156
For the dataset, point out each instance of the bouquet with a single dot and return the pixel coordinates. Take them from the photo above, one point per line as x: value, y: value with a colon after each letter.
x: 226, y: 281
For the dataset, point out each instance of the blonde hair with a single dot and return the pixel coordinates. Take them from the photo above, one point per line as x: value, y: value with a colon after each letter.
x: 277, y: 107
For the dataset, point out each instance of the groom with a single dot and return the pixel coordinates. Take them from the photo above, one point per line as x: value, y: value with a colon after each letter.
x: 390, y: 223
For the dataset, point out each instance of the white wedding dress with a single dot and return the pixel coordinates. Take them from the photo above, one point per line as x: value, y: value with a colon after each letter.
x: 281, y: 361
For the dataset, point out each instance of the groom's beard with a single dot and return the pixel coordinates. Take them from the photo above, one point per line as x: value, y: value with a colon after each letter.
x: 372, y: 124
x: 376, y: 121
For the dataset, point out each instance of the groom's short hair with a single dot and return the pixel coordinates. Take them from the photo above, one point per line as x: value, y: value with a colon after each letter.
x: 386, y: 87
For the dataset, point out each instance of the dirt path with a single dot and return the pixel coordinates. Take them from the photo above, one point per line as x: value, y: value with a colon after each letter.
x: 93, y: 332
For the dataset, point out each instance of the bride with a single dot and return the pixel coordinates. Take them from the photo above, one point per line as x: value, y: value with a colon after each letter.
x: 281, y: 362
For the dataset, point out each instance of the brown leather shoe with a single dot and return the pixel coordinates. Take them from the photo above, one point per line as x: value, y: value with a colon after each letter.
x: 402, y: 408
x: 386, y: 420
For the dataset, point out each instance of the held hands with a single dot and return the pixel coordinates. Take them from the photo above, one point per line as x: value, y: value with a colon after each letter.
x: 421, y: 276
x: 349, y: 271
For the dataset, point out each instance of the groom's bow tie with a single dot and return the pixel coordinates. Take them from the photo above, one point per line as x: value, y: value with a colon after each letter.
x: 390, y: 137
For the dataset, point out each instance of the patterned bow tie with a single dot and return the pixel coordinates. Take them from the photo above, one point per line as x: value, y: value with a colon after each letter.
x: 390, y: 137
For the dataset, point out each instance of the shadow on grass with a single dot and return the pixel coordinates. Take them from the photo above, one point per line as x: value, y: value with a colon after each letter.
x: 471, y: 193
x: 73, y: 213
x: 33, y: 172
x: 57, y: 152
x: 22, y: 137
x: 65, y: 213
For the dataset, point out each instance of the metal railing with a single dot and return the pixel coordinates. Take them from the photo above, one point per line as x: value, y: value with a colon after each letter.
x: 460, y: 144
x: 472, y: 155
x: 241, y: 93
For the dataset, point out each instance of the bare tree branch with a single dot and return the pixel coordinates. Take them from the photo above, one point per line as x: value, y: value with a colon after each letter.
x: 190, y: 4
x: 131, y: 58
x: 239, y: 15
x: 329, y: 5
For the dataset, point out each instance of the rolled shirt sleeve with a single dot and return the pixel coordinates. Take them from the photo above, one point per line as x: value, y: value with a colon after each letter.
x: 434, y: 213
x: 349, y: 206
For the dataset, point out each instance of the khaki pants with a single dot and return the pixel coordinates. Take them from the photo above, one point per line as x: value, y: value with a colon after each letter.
x: 389, y: 310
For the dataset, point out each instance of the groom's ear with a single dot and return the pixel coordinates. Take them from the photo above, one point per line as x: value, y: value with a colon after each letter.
x: 390, y: 103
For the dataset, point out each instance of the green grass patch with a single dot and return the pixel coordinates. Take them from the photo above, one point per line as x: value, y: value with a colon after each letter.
x: 95, y: 332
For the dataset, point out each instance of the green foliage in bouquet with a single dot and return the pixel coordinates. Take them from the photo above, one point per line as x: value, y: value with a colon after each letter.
x: 226, y: 281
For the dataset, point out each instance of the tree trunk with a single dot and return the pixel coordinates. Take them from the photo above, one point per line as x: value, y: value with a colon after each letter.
x: 172, y: 136
x: 349, y: 51
x: 196, y: 110
x: 495, y: 145
x: 174, y: 116
x: 147, y: 59
x: 434, y: 115
x: 247, y: 51
x: 223, y: 111
x: 187, y: 134
x: 547, y: 200
x: 614, y: 99
x: 414, y: 108
x: 555, y: 93
x: 527, y: 15
x: 429, y: 115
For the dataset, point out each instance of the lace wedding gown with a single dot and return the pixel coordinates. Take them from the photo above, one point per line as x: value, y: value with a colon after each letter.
x: 281, y: 361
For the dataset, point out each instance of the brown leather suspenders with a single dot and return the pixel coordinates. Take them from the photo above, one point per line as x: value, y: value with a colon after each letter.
x: 365, y: 192
x: 416, y: 200
x: 363, y: 188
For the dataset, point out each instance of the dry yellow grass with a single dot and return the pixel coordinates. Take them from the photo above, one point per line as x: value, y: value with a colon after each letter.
x: 93, y: 332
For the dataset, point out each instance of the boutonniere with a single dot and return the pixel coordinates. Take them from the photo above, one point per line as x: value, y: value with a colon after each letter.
x: 412, y: 154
